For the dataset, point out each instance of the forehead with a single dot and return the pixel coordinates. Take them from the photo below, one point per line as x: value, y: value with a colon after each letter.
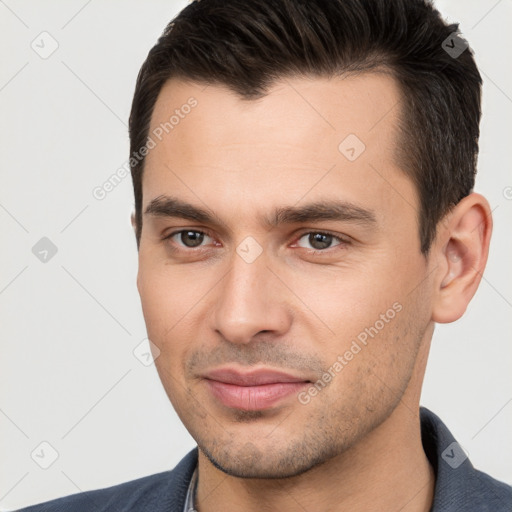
x: 305, y: 138
x: 293, y: 110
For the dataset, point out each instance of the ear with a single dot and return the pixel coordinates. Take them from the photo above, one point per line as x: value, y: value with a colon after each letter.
x: 461, y: 249
x: 134, y: 222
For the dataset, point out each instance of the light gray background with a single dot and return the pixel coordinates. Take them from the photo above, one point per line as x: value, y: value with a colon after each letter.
x: 68, y: 375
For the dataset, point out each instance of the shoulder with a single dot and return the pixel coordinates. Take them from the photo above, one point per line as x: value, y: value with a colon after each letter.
x: 164, y: 491
x: 459, y: 485
x: 490, y: 494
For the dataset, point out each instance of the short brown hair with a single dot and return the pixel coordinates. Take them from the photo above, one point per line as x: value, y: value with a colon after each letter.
x: 247, y: 45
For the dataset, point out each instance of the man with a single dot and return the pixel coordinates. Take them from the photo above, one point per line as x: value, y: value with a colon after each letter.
x: 304, y: 214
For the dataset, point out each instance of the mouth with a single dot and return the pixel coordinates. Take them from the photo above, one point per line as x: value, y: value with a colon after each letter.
x: 252, y: 391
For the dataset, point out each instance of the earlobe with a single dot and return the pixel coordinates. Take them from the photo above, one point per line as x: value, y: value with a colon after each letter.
x: 463, y: 246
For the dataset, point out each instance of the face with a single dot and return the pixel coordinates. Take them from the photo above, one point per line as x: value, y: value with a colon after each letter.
x: 274, y: 243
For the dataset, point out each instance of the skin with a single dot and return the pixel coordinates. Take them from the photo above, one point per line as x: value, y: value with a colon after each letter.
x: 356, y: 445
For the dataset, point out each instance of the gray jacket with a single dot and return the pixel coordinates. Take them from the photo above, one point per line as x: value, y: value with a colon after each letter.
x: 459, y: 486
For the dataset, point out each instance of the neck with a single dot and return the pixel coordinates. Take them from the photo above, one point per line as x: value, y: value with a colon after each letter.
x: 386, y: 470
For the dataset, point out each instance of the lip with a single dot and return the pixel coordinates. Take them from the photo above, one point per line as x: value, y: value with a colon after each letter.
x: 252, y: 378
x: 252, y: 391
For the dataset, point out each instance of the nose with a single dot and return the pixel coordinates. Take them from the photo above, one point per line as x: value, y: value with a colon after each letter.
x: 250, y: 300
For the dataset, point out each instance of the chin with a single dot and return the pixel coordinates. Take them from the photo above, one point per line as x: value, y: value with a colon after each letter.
x: 249, y: 461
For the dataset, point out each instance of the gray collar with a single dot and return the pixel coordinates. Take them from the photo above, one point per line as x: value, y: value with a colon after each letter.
x: 191, y: 492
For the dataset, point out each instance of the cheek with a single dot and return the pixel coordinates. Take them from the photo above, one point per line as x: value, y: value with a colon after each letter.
x: 167, y: 295
x: 344, y: 301
x: 375, y: 324
x: 167, y: 304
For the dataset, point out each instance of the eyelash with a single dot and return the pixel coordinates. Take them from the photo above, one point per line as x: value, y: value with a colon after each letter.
x: 343, y: 241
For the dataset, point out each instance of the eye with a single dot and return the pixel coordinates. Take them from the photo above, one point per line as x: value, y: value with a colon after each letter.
x: 320, y: 241
x: 188, y: 238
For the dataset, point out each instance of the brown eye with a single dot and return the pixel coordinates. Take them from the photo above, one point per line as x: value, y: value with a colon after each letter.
x: 320, y: 241
x: 187, y: 238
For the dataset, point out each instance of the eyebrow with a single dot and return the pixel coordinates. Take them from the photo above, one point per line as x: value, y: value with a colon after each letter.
x: 333, y: 210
